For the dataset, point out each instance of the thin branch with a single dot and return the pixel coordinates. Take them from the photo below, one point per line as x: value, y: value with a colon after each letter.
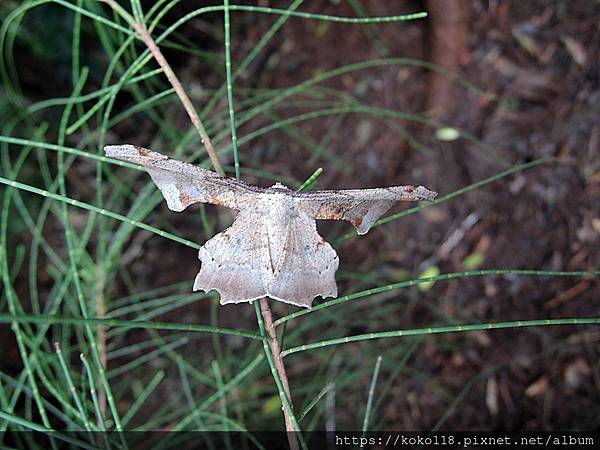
x: 146, y: 37
x: 265, y: 309
x: 185, y: 100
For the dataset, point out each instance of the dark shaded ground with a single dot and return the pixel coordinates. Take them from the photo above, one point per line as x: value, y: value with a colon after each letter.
x: 541, y: 62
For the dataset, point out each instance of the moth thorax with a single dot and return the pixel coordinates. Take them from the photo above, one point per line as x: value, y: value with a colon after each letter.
x: 280, y: 206
x: 280, y: 213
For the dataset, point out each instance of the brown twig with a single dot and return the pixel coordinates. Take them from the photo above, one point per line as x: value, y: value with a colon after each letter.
x: 140, y: 28
x: 265, y: 309
x: 146, y: 37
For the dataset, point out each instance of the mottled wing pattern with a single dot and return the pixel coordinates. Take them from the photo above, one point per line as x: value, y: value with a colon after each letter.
x: 361, y: 207
x: 272, y: 248
x: 306, y: 267
x: 183, y: 184
x: 236, y: 261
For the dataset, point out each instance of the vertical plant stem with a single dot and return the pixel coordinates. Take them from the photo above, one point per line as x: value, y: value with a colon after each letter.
x: 101, y: 331
x: 291, y: 424
x: 365, y: 425
x: 274, y: 344
x: 252, y: 55
x: 236, y: 160
x: 93, y: 394
x: 265, y: 310
x: 71, y: 386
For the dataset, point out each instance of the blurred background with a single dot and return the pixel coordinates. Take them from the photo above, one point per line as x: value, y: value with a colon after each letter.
x: 445, y: 101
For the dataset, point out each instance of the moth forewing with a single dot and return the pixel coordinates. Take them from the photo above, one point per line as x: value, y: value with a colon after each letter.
x: 184, y: 184
x: 361, y: 207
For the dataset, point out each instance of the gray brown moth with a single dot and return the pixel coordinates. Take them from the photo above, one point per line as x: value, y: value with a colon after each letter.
x: 272, y: 248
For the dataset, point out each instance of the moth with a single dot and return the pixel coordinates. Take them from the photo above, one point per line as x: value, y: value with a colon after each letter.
x: 272, y: 247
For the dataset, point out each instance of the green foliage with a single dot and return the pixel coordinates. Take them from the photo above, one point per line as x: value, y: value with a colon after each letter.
x: 71, y: 283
